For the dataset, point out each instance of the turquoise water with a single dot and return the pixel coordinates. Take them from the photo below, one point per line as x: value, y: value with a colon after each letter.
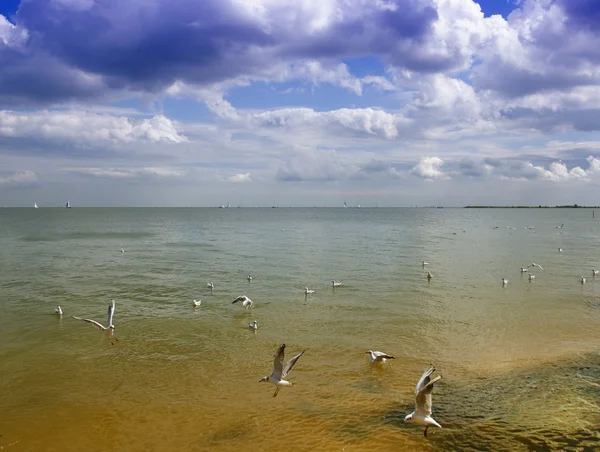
x: 520, y: 364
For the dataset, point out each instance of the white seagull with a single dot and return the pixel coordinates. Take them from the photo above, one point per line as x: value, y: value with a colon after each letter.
x: 308, y: 291
x: 595, y: 272
x: 210, y: 285
x: 336, y: 283
x: 58, y: 311
x: 253, y: 325
x: 110, y: 327
x: 531, y: 277
x: 197, y: 303
x: 249, y: 277
x: 379, y: 357
x: 560, y: 227
x: 246, y: 302
x: 535, y: 265
x: 429, y: 275
x: 423, y: 263
x: 582, y: 280
x: 279, y: 370
x: 122, y: 250
x: 422, y: 413
x: 504, y: 281
x: 523, y: 269
x: 560, y: 250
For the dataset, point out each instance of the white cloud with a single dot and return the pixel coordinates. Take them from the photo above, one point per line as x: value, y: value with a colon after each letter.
x: 240, y: 178
x: 86, y: 126
x: 429, y: 168
x: 125, y: 173
x: 20, y: 179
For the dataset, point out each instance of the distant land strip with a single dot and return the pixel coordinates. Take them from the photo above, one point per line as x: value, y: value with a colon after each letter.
x: 574, y: 206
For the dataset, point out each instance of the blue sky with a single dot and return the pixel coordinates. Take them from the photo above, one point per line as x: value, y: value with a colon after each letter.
x: 255, y: 102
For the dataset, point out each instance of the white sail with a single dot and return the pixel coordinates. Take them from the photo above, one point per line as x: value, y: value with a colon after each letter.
x: 68, y: 205
x: 35, y: 206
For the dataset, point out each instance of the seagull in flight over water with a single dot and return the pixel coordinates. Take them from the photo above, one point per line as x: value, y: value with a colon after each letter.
x: 279, y: 370
x: 535, y: 265
x: 379, y: 357
x: 110, y: 327
x: 422, y: 413
x: 246, y: 302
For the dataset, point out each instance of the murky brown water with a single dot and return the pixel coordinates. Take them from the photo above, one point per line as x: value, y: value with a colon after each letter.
x: 520, y: 364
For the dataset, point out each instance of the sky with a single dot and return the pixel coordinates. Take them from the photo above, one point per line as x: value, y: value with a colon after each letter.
x: 299, y: 102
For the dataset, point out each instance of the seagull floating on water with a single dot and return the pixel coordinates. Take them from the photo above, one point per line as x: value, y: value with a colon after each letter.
x: 531, y: 277
x: 582, y: 280
x: 336, y: 283
x: 560, y: 250
x: 246, y: 302
x: 58, y: 311
x: 249, y: 278
x: 423, y: 263
x: 523, y: 269
x: 122, y: 250
x: 379, y: 357
x: 429, y: 276
x: 595, y: 272
x: 210, y: 285
x: 197, y: 303
x: 110, y: 327
x: 279, y: 370
x: 308, y: 291
x: 422, y: 413
x: 253, y: 325
x: 504, y: 281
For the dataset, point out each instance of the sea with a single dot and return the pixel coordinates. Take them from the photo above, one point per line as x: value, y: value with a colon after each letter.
x: 520, y: 363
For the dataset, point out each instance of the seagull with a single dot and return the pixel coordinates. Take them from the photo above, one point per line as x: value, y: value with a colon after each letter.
x: 560, y: 250
x: 246, y: 302
x: 582, y: 280
x: 523, y: 269
x: 422, y: 413
x: 429, y: 276
x: 535, y: 265
x: 122, y: 250
x: 531, y: 277
x: 336, y: 284
x: 109, y: 323
x: 504, y: 281
x: 58, y: 311
x: 423, y: 263
x: 308, y: 291
x: 279, y: 370
x: 594, y: 273
x: 253, y: 325
x: 197, y: 303
x: 249, y: 277
x: 560, y: 227
x: 379, y: 357
x: 210, y: 285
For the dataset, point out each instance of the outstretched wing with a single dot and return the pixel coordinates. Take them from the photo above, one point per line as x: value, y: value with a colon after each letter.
x: 93, y: 322
x: 380, y: 355
x: 423, y: 392
x: 111, y: 313
x: 240, y: 298
x: 278, y: 361
x: 288, y: 366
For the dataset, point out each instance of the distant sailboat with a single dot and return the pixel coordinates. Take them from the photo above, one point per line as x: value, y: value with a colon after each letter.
x: 345, y: 205
x: 35, y: 206
x: 68, y: 205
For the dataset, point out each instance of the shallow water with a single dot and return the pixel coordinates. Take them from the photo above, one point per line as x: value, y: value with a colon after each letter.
x: 520, y: 364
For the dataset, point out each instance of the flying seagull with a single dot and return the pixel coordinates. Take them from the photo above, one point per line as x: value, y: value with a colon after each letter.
x: 110, y: 327
x: 379, y: 357
x: 246, y: 302
x: 279, y: 370
x: 535, y: 265
x: 422, y: 413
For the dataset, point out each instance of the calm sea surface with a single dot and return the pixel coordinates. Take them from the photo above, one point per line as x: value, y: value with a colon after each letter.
x: 520, y: 364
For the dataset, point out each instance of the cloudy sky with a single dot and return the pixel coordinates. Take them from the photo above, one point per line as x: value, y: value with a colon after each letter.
x: 299, y: 102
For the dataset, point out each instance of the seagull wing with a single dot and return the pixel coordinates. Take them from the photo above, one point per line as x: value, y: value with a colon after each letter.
x: 423, y: 392
x: 278, y: 361
x: 288, y: 366
x: 240, y: 298
x: 380, y: 355
x: 93, y: 322
x: 111, y: 313
x: 539, y: 266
